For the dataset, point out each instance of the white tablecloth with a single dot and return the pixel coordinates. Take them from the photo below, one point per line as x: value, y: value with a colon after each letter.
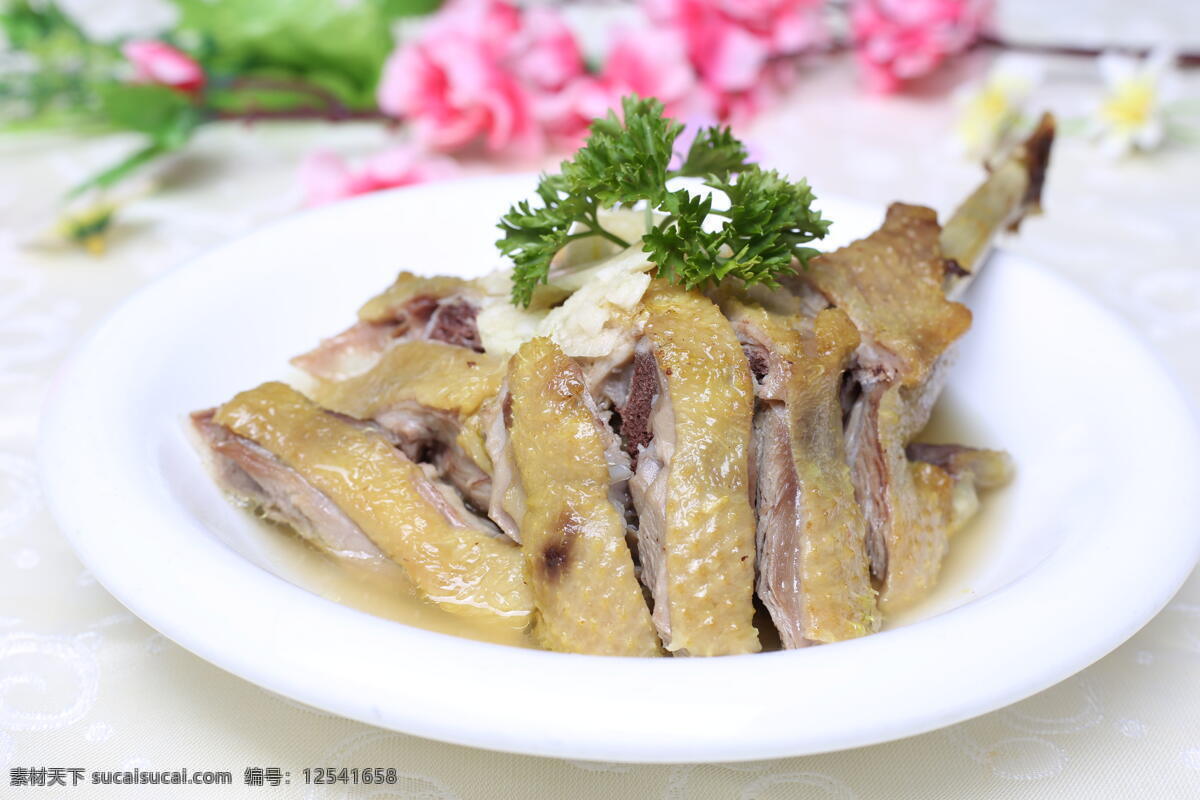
x: 85, y: 684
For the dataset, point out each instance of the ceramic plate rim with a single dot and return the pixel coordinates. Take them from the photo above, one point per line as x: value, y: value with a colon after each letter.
x: 256, y: 627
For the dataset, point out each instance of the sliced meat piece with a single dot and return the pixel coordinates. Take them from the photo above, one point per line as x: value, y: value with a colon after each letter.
x: 813, y: 573
x: 438, y: 309
x: 893, y: 284
x: 692, y: 484
x: 455, y: 558
x: 255, y: 477
x: 426, y: 393
x: 909, y: 529
x: 890, y: 285
x: 572, y: 529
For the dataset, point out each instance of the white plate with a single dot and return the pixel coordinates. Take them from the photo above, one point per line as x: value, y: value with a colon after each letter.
x: 1097, y: 533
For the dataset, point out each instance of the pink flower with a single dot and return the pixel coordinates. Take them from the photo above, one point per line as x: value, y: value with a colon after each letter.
x: 649, y: 62
x: 566, y: 114
x: 483, y: 71
x: 326, y: 177
x: 730, y: 41
x: 493, y: 23
x: 456, y: 93
x: 545, y: 54
x: 159, y: 62
x: 897, y: 40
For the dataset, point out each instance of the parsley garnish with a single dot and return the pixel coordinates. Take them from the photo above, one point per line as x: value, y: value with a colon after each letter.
x: 623, y: 163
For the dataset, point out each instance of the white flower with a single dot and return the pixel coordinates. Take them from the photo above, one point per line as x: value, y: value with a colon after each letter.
x: 1130, y: 115
x: 993, y: 108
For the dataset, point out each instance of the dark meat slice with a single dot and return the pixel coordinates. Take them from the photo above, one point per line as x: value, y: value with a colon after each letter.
x: 635, y: 411
x: 413, y: 308
x: 813, y: 574
x: 453, y: 322
x: 893, y: 284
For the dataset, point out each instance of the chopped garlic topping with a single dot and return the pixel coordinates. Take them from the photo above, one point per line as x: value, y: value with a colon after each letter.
x: 589, y: 322
x: 503, y: 327
x: 592, y: 320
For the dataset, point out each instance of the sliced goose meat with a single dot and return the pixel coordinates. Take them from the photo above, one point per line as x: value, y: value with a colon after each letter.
x: 692, y: 488
x: 915, y: 497
x: 893, y: 284
x: 890, y: 285
x: 946, y: 498
x: 427, y: 393
x: 905, y: 543
x: 255, y: 477
x: 987, y: 469
x: 440, y: 309
x: 454, y: 558
x: 572, y: 525
x: 813, y: 575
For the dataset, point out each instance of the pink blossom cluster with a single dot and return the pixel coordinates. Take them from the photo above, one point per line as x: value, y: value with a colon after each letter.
x: 898, y: 40
x: 484, y: 72
x: 489, y: 76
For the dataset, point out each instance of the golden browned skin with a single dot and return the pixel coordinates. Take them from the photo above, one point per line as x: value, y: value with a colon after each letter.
x: 436, y: 375
x: 584, y: 588
x: 699, y: 562
x: 813, y: 571
x: 890, y: 284
x: 457, y: 565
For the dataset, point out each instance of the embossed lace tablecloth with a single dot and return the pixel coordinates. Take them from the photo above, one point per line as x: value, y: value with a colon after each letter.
x: 83, y: 683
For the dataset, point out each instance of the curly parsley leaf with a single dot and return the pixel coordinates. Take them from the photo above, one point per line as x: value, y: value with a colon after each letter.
x: 715, y: 151
x: 626, y: 161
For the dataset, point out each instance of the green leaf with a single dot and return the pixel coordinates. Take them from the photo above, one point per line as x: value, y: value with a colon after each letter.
x: 714, y: 151
x: 167, y: 116
x: 532, y: 235
x: 625, y: 161
x: 338, y: 45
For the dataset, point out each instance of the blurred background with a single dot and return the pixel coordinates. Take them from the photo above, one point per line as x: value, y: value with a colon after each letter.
x: 135, y: 134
